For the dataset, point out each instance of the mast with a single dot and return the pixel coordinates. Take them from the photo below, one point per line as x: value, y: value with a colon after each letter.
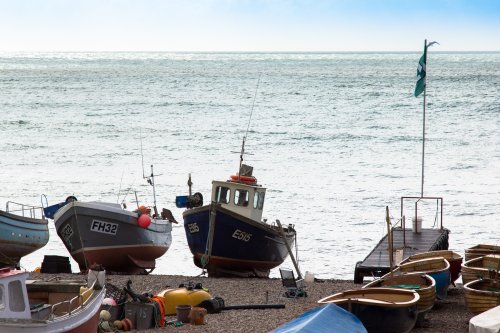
x: 241, y: 156
x: 423, y: 123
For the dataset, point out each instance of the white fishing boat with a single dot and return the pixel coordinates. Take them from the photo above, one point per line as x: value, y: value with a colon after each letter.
x: 54, y: 306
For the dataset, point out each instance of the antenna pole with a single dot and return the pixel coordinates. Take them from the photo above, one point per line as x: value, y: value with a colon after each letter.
x: 152, y: 182
x: 241, y: 157
x: 423, y: 123
x: 142, y: 155
x: 248, y: 127
x: 190, y: 183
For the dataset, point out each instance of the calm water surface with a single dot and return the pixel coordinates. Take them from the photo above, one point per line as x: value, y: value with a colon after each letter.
x: 334, y: 137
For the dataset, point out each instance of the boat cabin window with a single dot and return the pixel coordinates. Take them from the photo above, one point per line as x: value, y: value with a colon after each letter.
x: 2, y: 302
x: 16, y: 299
x: 222, y: 194
x: 241, y: 198
x: 258, y: 200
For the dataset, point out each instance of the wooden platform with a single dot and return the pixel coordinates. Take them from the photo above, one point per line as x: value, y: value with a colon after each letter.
x: 377, y: 262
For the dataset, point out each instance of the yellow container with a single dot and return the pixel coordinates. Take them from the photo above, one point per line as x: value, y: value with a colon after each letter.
x: 182, y: 296
x: 85, y: 293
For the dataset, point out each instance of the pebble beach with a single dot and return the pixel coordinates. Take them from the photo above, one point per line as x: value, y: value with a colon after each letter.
x: 449, y: 315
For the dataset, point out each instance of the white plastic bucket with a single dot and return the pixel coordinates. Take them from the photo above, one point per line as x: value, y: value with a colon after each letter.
x: 100, y: 276
x: 309, y: 277
x: 417, y: 225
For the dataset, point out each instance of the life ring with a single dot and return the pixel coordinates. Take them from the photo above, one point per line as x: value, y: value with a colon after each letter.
x: 250, y: 180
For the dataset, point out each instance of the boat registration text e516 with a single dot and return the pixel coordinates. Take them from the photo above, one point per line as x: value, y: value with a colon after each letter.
x: 104, y: 227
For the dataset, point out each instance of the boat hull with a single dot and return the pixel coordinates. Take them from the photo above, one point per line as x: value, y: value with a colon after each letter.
x: 381, y: 310
x: 482, y: 295
x: 438, y: 268
x: 95, y: 233
x: 454, y: 258
x: 239, y: 243
x: 20, y: 236
x: 481, y: 268
x: 481, y: 250
x: 83, y: 317
x: 423, y: 284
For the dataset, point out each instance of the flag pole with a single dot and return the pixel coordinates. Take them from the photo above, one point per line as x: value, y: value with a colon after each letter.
x: 423, y: 123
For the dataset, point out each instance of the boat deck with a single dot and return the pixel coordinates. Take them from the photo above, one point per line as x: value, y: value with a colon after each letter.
x: 407, y: 242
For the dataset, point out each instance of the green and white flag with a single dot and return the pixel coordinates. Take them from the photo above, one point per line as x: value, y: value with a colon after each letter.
x: 420, y: 87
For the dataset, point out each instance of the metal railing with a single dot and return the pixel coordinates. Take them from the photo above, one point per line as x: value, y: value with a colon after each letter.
x: 24, y: 210
x: 439, y: 207
x: 86, y: 295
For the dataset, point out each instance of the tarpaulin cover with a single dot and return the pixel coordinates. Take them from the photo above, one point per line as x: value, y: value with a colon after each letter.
x: 327, y: 318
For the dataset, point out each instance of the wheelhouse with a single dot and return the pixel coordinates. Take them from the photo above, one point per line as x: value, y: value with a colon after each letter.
x: 241, y: 198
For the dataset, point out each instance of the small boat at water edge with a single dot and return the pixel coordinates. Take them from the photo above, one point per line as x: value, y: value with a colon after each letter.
x: 423, y: 284
x: 437, y: 268
x: 381, y: 310
x: 106, y: 234
x: 21, y: 232
x: 454, y: 258
x: 323, y: 319
x: 482, y: 295
x: 481, y: 250
x: 48, y: 306
x: 482, y: 267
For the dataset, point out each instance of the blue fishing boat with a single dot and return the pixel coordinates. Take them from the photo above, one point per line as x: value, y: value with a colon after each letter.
x: 323, y: 319
x: 23, y: 230
x: 228, y: 236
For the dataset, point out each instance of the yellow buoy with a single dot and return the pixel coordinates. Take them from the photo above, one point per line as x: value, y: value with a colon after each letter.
x: 182, y: 296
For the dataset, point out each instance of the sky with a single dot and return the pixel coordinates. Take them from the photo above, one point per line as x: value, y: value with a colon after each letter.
x: 248, y: 25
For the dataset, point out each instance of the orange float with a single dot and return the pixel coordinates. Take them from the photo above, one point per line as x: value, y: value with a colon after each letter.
x: 250, y: 180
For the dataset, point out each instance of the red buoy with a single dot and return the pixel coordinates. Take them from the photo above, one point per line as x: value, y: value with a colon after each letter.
x: 144, y: 221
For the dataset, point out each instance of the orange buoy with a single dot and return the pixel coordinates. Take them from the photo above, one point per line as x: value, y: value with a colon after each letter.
x: 249, y: 180
x: 144, y: 221
x: 144, y: 210
x: 127, y: 324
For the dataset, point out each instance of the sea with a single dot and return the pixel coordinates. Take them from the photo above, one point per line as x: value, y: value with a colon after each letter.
x: 334, y: 137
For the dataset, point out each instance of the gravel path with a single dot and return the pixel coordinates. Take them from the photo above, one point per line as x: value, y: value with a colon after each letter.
x: 450, y: 315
